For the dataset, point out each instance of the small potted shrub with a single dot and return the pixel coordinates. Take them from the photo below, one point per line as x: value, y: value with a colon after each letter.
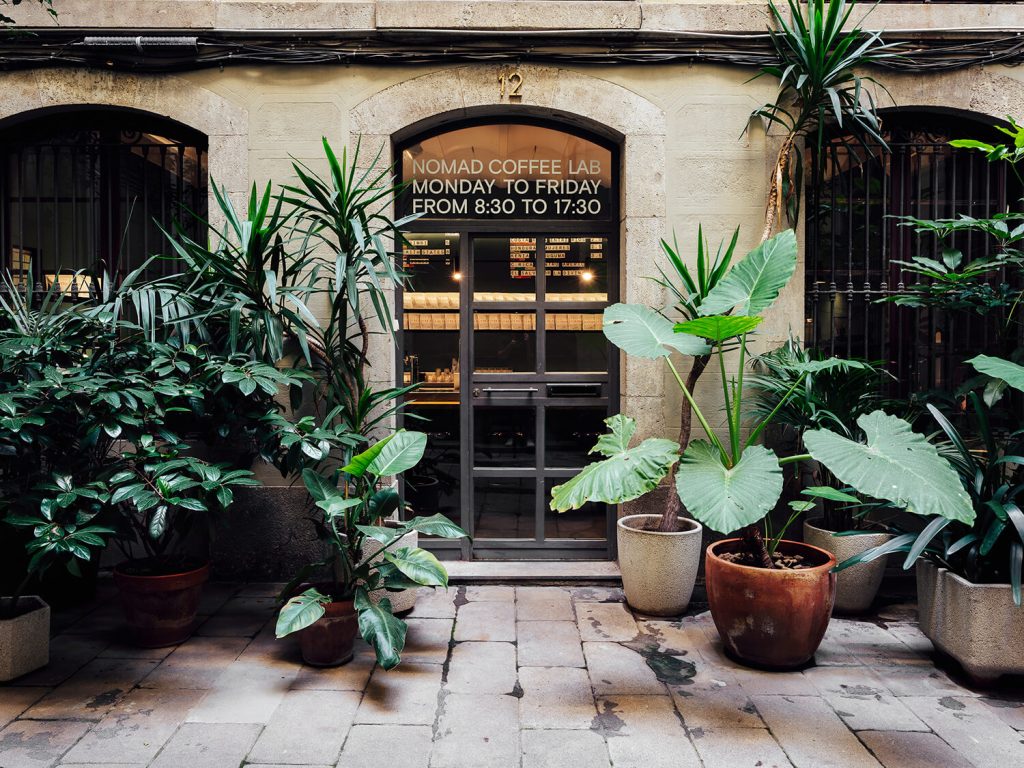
x: 353, y: 507
x: 834, y: 399
x: 771, y: 599
x: 969, y: 567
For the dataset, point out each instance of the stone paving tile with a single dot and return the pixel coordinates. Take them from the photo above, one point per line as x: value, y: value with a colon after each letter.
x: 408, y: 746
x: 105, y: 765
x: 919, y: 680
x: 911, y: 636
x: 308, y: 727
x: 246, y: 692
x: 486, y: 620
x: 266, y: 649
x: 196, y: 664
x: 605, y: 621
x: 435, y: 603
x: 911, y: 749
x: 555, y: 697
x: 491, y: 594
x: 208, y: 745
x: 558, y: 749
x: 482, y: 668
x: 427, y: 641
x: 14, y: 700
x: 117, y: 650
x: 406, y: 695
x: 260, y: 589
x: 348, y: 677
x: 215, y: 594
x: 871, y: 644
x: 645, y: 732
x: 597, y: 594
x: 738, y: 748
x: 1009, y: 711
x: 549, y: 644
x: 714, y: 699
x: 105, y: 620
x: 136, y: 729
x: 616, y: 669
x: 68, y: 654
x: 92, y: 691
x: 971, y: 729
x: 38, y: 743
x: 812, y: 735
x: 476, y: 731
x: 676, y: 638
x: 859, y: 697
x: 543, y: 604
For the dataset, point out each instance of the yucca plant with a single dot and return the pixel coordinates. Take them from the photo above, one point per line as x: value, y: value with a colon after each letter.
x: 819, y: 58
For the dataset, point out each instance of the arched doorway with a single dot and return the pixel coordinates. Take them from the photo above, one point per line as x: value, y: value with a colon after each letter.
x: 857, y: 244
x: 512, y: 259
x: 88, y: 189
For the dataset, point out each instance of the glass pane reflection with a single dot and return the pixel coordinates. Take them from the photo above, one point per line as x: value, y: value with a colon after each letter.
x: 504, y: 437
x: 576, y: 268
x: 504, y: 342
x: 570, y: 433
x: 588, y: 522
x: 504, y: 508
x: 432, y: 487
x: 575, y: 343
x: 505, y: 269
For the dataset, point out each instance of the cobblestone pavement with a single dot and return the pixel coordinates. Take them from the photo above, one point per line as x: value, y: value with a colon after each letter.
x: 498, y: 676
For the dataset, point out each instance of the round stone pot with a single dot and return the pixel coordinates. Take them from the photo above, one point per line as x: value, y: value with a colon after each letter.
x: 329, y: 641
x: 770, y: 618
x: 160, y: 609
x: 857, y: 585
x: 658, y: 569
x: 405, y: 600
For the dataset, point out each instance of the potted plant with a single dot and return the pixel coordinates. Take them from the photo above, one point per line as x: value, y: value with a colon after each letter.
x: 770, y: 598
x: 836, y: 520
x: 352, y: 506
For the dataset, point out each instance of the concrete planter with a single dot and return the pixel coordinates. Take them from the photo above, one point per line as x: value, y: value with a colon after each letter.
x: 977, y: 624
x: 857, y: 585
x: 404, y: 601
x: 25, y: 639
x: 658, y: 569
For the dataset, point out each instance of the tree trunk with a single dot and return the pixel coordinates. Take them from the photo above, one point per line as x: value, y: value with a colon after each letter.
x: 779, y: 172
x: 754, y: 539
x: 670, y: 518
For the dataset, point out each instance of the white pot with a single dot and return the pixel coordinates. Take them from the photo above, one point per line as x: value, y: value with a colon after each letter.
x: 977, y: 624
x: 658, y: 569
x: 405, y: 600
x: 25, y: 639
x: 857, y: 585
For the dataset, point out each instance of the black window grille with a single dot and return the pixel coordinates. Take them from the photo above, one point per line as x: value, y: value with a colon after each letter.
x: 89, y: 190
x: 854, y: 241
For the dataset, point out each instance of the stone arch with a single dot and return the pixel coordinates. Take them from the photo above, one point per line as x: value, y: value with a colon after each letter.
x: 569, y: 97
x: 225, y: 124
x: 973, y: 92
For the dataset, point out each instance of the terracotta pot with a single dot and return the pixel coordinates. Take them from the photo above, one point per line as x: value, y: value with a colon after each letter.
x: 24, y: 637
x: 976, y: 624
x: 328, y: 642
x: 658, y: 569
x: 771, y: 618
x: 161, y: 610
x: 857, y: 585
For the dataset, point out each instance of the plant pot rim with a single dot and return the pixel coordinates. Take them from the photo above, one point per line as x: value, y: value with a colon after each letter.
x: 37, y: 602
x: 120, y: 573
x: 694, y: 526
x: 1002, y: 586
x: 829, y: 564
x: 823, y: 529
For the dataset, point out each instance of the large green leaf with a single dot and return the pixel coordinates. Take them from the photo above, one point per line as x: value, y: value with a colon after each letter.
x: 626, y: 474
x: 755, y: 282
x: 998, y: 368
x: 380, y: 628
x: 402, y: 452
x: 419, y: 565
x: 358, y: 465
x: 728, y: 498
x: 301, y: 611
x: 896, y: 464
x: 642, y: 332
x: 436, y: 525
x: 719, y: 327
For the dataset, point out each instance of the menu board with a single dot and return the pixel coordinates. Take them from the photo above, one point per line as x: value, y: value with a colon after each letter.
x: 572, y: 256
x: 431, y: 260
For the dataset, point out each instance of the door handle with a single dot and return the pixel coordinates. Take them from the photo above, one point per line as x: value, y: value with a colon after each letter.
x: 491, y: 390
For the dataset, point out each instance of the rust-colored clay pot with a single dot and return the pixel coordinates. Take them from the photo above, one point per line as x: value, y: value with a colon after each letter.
x: 160, y: 609
x: 767, y: 617
x: 328, y: 642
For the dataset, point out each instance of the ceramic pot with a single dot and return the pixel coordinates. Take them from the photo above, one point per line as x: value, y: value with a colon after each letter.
x: 771, y: 618
x: 976, y: 624
x: 161, y: 610
x: 405, y: 600
x: 857, y: 585
x: 658, y: 569
x: 329, y: 641
x: 24, y: 638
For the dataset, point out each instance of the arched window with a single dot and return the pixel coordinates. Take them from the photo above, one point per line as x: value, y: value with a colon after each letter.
x: 89, y: 189
x: 855, y: 242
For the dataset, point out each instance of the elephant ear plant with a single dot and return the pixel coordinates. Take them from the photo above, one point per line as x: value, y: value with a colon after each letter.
x: 353, y: 507
x: 731, y: 483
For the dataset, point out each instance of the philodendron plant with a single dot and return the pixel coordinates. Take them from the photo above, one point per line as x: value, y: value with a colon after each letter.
x: 732, y: 482
x: 354, y: 508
